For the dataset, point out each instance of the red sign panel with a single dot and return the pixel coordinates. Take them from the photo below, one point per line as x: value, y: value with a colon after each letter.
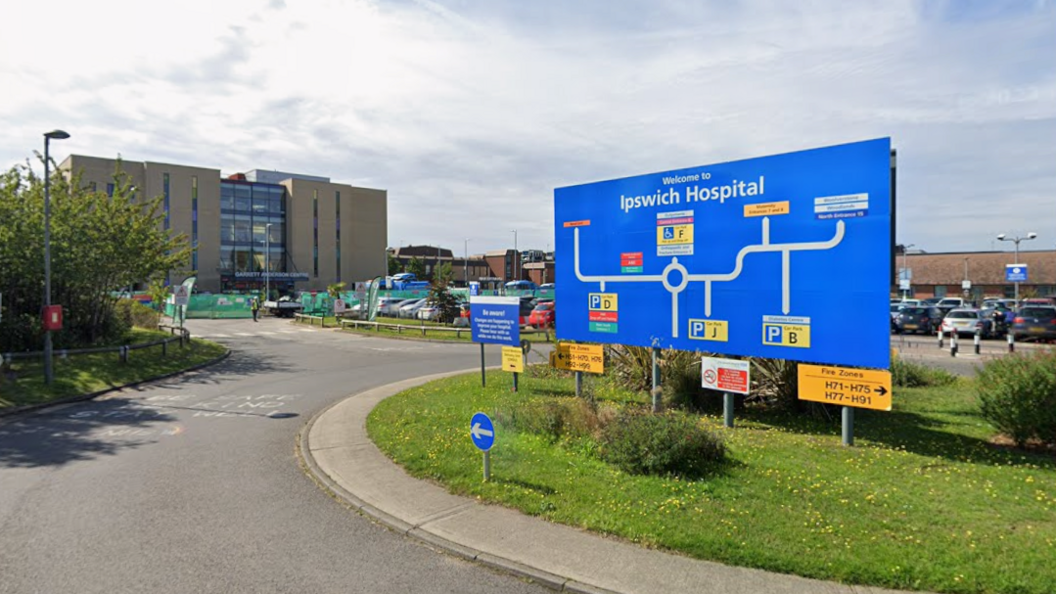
x: 53, y: 317
x: 602, y: 316
x: 631, y: 259
x: 732, y: 380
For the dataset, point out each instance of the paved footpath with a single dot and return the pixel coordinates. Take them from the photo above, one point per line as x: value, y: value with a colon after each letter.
x: 337, y: 451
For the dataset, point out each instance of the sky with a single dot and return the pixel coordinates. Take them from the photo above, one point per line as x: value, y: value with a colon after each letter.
x: 470, y: 112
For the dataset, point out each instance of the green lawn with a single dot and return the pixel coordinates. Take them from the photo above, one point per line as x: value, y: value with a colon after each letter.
x: 81, y: 374
x: 921, y: 502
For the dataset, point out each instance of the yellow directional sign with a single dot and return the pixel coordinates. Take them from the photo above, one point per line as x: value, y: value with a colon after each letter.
x: 512, y: 359
x: 845, y: 386
x: 578, y: 357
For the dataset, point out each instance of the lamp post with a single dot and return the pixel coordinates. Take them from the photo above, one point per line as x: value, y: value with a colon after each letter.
x: 465, y: 263
x: 516, y: 256
x: 1016, y: 240
x: 267, y: 261
x: 905, y: 271
x: 48, y: 136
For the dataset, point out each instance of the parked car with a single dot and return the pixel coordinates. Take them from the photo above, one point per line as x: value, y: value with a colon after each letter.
x: 912, y: 320
x: 390, y: 306
x: 1036, y: 322
x: 409, y: 309
x: 992, y: 303
x: 895, y: 309
x: 952, y: 301
x: 542, y: 315
x: 546, y: 287
x: 968, y: 321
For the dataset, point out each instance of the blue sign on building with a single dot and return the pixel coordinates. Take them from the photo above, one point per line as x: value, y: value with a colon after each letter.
x: 495, y: 320
x: 1016, y: 273
x: 786, y: 256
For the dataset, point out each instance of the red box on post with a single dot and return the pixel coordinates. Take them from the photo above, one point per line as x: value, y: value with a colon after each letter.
x: 53, y: 317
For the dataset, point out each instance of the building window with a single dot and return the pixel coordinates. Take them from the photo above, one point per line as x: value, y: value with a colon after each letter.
x: 109, y: 190
x: 315, y: 233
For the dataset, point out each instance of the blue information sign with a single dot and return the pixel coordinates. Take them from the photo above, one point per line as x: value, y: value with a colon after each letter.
x: 495, y: 320
x: 1016, y: 273
x: 786, y: 256
x: 482, y: 431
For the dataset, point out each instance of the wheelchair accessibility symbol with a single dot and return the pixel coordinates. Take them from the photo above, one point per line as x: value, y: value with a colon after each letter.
x: 669, y: 232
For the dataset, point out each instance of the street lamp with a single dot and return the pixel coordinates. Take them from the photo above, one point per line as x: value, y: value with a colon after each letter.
x: 516, y: 256
x: 465, y: 263
x: 48, y: 136
x: 905, y: 271
x: 1016, y: 240
x: 267, y: 262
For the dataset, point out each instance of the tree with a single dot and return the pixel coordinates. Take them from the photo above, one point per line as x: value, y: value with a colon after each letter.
x: 417, y: 267
x: 99, y: 244
x: 440, y: 294
x: 394, y: 265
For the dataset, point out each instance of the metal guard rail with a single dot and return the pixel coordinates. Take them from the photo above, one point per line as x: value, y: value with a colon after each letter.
x: 123, y: 350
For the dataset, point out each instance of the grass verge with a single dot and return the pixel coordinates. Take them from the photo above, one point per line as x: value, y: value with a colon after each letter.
x: 23, y: 384
x: 390, y: 327
x: 923, y: 501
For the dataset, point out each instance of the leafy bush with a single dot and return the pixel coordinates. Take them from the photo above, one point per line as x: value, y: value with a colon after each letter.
x: 556, y: 418
x: 1017, y: 395
x: 660, y: 444
x: 906, y: 374
x: 131, y: 313
x: 775, y: 382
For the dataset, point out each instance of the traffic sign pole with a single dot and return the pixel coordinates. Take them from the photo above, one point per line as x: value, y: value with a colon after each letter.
x: 483, y: 377
x: 579, y: 384
x: 727, y: 409
x: 656, y: 380
x: 848, y: 426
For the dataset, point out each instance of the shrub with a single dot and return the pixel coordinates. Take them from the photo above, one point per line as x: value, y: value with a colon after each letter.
x: 556, y: 418
x: 1017, y: 396
x: 775, y: 382
x: 131, y: 313
x: 660, y: 444
x: 907, y: 374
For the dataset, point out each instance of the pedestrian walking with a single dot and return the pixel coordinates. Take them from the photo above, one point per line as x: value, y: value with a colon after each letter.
x: 254, y: 305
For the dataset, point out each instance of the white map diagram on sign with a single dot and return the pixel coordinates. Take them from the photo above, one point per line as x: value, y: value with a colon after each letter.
x: 764, y: 246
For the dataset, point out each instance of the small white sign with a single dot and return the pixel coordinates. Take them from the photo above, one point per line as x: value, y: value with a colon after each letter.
x: 966, y: 285
x: 339, y: 306
x: 726, y: 375
x: 181, y: 295
x: 903, y: 284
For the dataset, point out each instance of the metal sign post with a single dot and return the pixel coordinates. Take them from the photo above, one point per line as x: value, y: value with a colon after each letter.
x: 482, y: 432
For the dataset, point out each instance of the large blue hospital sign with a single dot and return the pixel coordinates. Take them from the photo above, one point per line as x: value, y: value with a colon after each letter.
x: 1016, y: 273
x: 786, y: 256
x: 495, y: 320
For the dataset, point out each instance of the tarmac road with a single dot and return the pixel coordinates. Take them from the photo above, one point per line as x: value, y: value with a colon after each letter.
x: 192, y: 484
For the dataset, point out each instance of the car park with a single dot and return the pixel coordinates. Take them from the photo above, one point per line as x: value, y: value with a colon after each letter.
x: 968, y: 321
x: 1035, y: 322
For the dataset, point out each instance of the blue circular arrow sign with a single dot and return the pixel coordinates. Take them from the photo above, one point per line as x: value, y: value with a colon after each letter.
x: 482, y: 431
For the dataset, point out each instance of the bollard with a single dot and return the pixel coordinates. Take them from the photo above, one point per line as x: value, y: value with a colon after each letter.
x: 164, y: 348
x: 953, y: 343
x: 1011, y: 342
x: 975, y: 341
x: 940, y: 337
x: 123, y: 351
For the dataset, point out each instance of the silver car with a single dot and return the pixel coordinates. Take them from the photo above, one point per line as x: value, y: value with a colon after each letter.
x: 409, y: 309
x: 968, y: 321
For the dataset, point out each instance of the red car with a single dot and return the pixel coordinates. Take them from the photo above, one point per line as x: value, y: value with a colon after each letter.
x: 542, y: 316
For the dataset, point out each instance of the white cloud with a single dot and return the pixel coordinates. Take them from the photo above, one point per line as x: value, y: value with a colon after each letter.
x: 471, y: 112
